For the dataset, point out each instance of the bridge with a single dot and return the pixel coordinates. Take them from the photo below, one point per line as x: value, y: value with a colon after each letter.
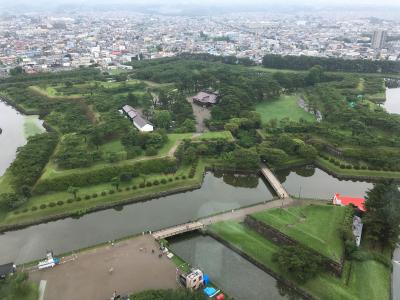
x: 274, y: 182
x: 176, y: 230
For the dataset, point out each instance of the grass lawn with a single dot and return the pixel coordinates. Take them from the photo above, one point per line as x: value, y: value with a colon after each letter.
x: 115, y: 198
x: 314, y: 226
x: 323, y: 286
x: 174, y: 139
x: 32, y: 126
x: 355, y: 173
x: 50, y: 94
x: 285, y: 107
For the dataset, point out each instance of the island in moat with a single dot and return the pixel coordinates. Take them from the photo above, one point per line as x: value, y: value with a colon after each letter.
x: 119, y: 138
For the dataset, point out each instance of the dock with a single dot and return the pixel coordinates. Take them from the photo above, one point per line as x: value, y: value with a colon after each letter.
x: 274, y: 182
x: 176, y: 230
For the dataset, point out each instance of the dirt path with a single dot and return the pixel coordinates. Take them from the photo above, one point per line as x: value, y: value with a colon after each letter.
x: 201, y: 114
x: 128, y: 266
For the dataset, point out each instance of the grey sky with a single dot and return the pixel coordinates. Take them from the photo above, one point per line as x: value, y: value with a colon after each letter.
x: 211, y: 2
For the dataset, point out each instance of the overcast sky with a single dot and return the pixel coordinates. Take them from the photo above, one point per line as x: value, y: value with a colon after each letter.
x: 210, y: 2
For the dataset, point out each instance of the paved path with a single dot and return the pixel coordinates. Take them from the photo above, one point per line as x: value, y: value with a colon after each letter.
x: 201, y: 114
x: 238, y: 215
x: 396, y: 274
x: 274, y: 182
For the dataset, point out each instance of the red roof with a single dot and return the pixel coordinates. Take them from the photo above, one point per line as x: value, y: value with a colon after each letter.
x: 358, y: 202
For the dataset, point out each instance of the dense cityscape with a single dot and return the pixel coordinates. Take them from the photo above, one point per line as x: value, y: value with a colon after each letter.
x: 41, y: 42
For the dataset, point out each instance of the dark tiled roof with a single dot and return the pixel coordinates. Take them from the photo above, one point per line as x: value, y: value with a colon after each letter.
x: 6, y: 269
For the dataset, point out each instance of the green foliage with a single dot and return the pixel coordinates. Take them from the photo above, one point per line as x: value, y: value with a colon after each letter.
x: 300, y: 263
x: 179, y: 294
x: 18, y: 287
x: 73, y: 153
x: 330, y: 64
x: 382, y: 218
x: 31, y: 159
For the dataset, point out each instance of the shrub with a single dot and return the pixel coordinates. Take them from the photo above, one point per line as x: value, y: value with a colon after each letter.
x: 103, y: 193
x: 156, y: 182
x: 183, y: 177
x: 42, y: 206
x: 25, y: 210
x: 94, y: 195
x: 70, y: 200
x: 151, y: 151
x: 128, y: 188
x: 363, y: 167
x: 349, y: 166
x: 142, y: 185
x: 87, y: 197
x: 149, y: 184
x: 177, y: 178
x: 163, y: 181
x: 332, y: 160
x: 78, y: 199
x: 342, y: 166
x: 170, y: 179
x: 52, y: 204
x: 16, y: 212
x: 60, y: 202
x: 33, y: 208
x: 357, y: 167
x: 111, y: 192
x: 119, y: 190
x: 134, y: 187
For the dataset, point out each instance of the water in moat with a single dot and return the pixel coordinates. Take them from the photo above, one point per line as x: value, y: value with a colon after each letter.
x: 219, y: 193
x: 229, y: 271
x: 312, y: 182
x: 15, y: 128
x: 392, y: 103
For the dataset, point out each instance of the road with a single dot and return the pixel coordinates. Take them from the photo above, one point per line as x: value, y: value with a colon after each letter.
x: 396, y: 274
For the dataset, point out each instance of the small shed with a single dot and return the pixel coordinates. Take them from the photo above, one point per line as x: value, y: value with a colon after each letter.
x: 206, y: 98
x: 7, y: 269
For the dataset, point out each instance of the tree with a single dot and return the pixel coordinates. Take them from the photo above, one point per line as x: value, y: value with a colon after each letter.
x: 16, y: 71
x: 299, y: 262
x: 73, y: 190
x: 307, y: 151
x: 272, y: 156
x: 162, y: 119
x: 132, y: 100
x: 245, y: 158
x: 315, y: 75
x: 382, y: 217
x: 115, y: 182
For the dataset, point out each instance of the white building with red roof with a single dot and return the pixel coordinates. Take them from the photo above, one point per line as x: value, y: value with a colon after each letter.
x: 346, y: 200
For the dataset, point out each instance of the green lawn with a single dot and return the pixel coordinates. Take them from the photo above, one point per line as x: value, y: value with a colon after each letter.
x: 32, y: 126
x: 50, y: 94
x: 355, y: 173
x: 314, y: 226
x: 285, y: 107
x: 174, y: 139
x: 367, y: 279
x: 29, y: 215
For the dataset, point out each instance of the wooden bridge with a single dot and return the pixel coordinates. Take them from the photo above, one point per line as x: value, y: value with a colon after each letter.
x: 274, y: 182
x: 175, y: 230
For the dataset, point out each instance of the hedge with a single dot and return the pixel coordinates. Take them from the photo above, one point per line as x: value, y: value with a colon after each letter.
x: 88, y: 177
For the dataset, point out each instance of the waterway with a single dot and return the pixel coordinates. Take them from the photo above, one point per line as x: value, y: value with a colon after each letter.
x: 312, y: 182
x: 228, y: 270
x: 392, y: 103
x: 219, y: 193
x: 16, y: 128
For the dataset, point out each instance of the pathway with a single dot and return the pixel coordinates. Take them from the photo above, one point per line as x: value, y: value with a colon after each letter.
x: 274, y: 182
x: 201, y: 114
x: 238, y: 215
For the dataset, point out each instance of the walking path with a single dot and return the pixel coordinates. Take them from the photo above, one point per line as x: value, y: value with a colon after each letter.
x: 238, y: 215
x: 274, y: 182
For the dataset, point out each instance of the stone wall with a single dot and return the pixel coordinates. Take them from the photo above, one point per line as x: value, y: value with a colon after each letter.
x: 280, y: 238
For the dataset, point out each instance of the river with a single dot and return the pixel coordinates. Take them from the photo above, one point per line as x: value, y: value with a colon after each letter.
x: 16, y: 128
x: 228, y: 270
x: 392, y: 103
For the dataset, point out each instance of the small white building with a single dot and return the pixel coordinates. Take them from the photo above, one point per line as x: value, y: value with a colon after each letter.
x: 140, y: 123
